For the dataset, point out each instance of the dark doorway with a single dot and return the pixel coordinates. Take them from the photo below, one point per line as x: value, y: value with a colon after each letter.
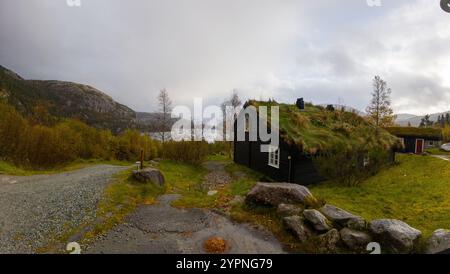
x: 419, y: 146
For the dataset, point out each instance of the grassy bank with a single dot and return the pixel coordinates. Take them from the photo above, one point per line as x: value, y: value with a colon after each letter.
x: 120, y: 199
x: 10, y: 169
x: 417, y: 191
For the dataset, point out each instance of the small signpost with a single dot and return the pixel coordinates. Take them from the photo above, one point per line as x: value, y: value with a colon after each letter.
x: 140, y: 164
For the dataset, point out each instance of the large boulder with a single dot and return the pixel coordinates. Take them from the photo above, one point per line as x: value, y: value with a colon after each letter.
x: 296, y: 225
x: 394, y: 235
x: 355, y: 240
x: 289, y: 210
x: 439, y: 242
x: 317, y: 220
x: 278, y: 193
x: 342, y: 218
x: 149, y: 175
x: 329, y: 242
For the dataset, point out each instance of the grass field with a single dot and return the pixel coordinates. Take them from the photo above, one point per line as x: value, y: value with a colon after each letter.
x: 437, y: 151
x: 417, y: 191
x: 10, y: 169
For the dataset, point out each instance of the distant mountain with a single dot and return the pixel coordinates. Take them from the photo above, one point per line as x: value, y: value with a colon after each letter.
x: 67, y: 100
x: 151, y: 122
x: 404, y: 119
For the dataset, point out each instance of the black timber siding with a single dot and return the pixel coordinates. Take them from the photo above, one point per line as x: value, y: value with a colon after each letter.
x: 298, y: 169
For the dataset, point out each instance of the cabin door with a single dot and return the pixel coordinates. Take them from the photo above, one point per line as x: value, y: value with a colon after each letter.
x: 419, y: 146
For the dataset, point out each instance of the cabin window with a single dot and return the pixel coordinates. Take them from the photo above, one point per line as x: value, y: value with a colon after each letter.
x: 274, y: 157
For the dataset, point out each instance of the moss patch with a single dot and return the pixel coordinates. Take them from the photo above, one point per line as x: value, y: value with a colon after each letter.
x: 318, y: 130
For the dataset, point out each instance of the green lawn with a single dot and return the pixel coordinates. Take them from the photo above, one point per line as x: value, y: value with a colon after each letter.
x: 186, y: 179
x: 417, y: 191
x: 437, y: 151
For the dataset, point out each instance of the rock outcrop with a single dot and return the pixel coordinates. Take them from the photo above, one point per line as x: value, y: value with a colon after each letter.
x: 333, y: 229
x: 317, y: 220
x: 298, y: 227
x: 395, y: 236
x: 289, y: 210
x: 149, y: 175
x: 329, y: 242
x: 278, y: 193
x: 342, y: 218
x: 439, y: 242
x: 355, y: 240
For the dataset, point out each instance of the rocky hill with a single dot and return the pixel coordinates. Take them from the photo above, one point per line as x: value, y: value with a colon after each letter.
x: 65, y: 99
x: 414, y: 120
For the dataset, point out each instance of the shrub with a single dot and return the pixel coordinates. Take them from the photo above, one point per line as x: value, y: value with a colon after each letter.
x: 37, y: 145
x: 446, y: 134
x: 351, y: 166
x: 186, y: 152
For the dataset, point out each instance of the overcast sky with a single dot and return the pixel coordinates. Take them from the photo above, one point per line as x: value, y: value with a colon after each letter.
x: 326, y: 51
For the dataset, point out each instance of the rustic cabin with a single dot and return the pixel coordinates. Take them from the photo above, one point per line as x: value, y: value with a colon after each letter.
x: 417, y: 140
x: 306, y: 132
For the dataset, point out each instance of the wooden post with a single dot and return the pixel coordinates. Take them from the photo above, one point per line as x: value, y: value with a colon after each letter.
x: 142, y: 159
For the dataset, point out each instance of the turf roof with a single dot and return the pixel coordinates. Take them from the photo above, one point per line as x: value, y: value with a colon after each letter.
x: 428, y: 133
x: 317, y: 130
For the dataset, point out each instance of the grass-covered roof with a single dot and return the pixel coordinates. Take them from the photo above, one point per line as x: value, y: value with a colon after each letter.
x: 427, y: 133
x: 316, y: 129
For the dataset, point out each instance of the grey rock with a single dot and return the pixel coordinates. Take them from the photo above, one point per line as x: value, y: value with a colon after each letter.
x: 298, y: 227
x: 356, y: 240
x: 289, y: 210
x: 149, y: 175
x: 439, y: 242
x: 342, y: 217
x: 278, y: 193
x: 329, y: 242
x: 394, y: 235
x: 317, y: 219
x: 212, y: 192
x: 238, y: 199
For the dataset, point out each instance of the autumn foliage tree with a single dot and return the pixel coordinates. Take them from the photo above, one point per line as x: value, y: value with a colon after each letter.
x: 380, y: 111
x: 27, y: 142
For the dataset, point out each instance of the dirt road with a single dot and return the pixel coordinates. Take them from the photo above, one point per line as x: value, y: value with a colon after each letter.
x: 36, y: 209
x: 163, y: 229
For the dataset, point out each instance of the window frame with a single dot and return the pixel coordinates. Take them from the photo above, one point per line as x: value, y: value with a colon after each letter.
x: 274, y: 157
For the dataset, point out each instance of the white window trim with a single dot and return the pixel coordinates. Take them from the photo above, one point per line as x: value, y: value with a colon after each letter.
x: 274, y: 157
x: 247, y: 123
x: 366, y: 161
x: 402, y: 140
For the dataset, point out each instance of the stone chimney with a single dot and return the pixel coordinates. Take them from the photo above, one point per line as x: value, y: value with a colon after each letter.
x: 300, y: 104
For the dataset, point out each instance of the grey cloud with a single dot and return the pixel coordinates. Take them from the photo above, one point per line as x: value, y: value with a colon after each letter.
x: 323, y: 50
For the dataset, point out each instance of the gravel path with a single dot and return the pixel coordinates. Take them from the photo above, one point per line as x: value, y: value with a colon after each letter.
x: 217, y: 176
x: 163, y: 229
x: 442, y: 157
x: 36, y: 209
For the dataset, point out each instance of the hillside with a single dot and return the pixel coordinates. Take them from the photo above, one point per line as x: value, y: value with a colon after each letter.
x: 403, y: 119
x: 66, y: 100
